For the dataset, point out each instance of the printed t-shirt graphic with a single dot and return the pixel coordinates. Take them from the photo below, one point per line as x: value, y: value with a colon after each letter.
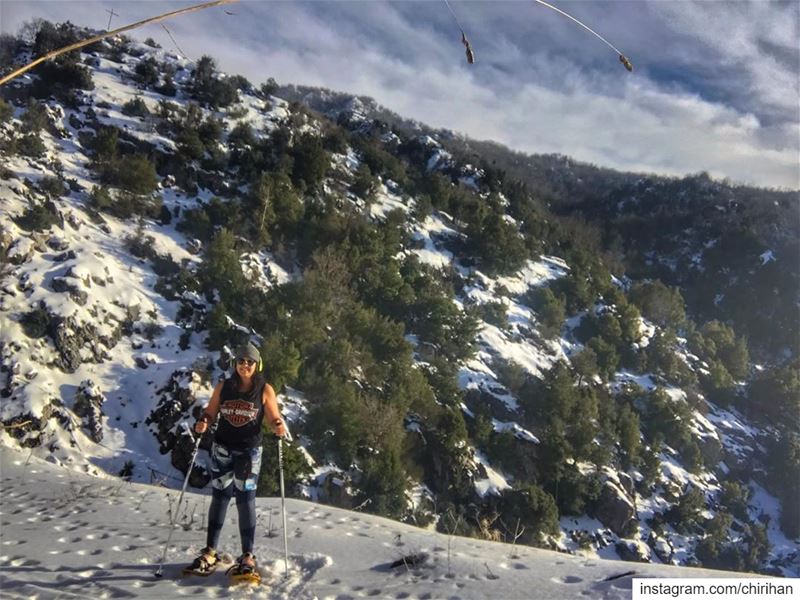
x: 238, y: 412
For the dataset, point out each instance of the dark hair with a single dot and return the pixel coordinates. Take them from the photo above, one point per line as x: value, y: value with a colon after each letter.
x: 235, y: 380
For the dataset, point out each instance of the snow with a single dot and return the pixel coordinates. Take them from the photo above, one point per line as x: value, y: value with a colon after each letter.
x: 69, y: 535
x: 766, y: 257
x: 439, y: 159
x: 763, y: 504
x: 534, y: 273
x: 519, y: 432
x: 494, y: 482
x: 429, y: 233
x: 385, y: 202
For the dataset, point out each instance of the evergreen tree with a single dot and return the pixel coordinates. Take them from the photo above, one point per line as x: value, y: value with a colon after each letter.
x: 660, y: 304
x: 686, y: 514
x: 295, y: 468
x: 364, y: 184
x: 550, y: 310
x: 629, y: 436
x: 533, y: 508
x: 311, y: 161
x: 384, y: 483
x: 221, y: 270
x: 218, y: 327
x: 585, y: 364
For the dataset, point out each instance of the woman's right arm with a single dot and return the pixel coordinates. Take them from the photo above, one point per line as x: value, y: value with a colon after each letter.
x: 210, y: 412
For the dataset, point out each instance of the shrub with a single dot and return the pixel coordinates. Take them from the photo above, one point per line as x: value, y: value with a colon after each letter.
x: 775, y: 393
x: 495, y: 243
x: 196, y: 223
x: 135, y: 108
x: 100, y: 198
x: 6, y: 111
x: 34, y: 119
x: 168, y: 88
x: 295, y: 467
x: 38, y: 216
x: 629, y: 433
x: 495, y: 313
x: 270, y: 87
x: 30, y: 145
x: 35, y: 323
x: 685, y: 515
x: 136, y: 174
x: 104, y: 145
x: 734, y: 498
x: 717, y: 340
x: 335, y: 141
x: 221, y: 269
x: 139, y: 244
x: 190, y: 146
x: 52, y: 187
x: 282, y: 361
x: 60, y: 77
x: 585, y: 364
x: 533, y: 508
x: 365, y: 185
x: 151, y: 330
x: 146, y: 72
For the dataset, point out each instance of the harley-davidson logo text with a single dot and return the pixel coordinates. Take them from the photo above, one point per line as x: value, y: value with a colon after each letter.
x: 238, y: 412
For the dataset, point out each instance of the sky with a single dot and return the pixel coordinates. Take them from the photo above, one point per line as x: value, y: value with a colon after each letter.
x: 715, y: 85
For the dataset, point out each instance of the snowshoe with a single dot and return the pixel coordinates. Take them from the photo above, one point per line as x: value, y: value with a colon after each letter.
x: 205, y: 564
x: 245, y: 571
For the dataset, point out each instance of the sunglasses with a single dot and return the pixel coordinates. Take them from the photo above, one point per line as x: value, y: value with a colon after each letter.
x: 245, y: 362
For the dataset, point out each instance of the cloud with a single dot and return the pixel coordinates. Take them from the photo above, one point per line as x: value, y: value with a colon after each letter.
x: 715, y: 85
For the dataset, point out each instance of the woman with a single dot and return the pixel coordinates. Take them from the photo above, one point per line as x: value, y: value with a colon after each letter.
x: 243, y: 403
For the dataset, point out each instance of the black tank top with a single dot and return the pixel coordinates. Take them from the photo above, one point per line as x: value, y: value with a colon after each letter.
x: 240, y: 415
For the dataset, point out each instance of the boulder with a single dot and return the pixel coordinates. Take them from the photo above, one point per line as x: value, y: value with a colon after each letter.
x: 68, y: 255
x: 57, y: 243
x: 333, y: 489
x: 176, y: 400
x: 477, y: 398
x: 633, y: 551
x: 181, y: 456
x: 62, y: 284
x: 88, y: 406
x: 661, y: 547
x: 626, y: 481
x: 615, y: 509
x: 80, y: 342
x: 20, y: 251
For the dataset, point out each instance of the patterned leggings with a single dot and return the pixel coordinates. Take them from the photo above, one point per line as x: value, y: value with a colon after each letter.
x: 234, y: 473
x: 245, y: 504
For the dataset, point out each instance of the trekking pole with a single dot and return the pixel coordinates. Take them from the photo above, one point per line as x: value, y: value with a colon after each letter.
x: 283, y: 501
x: 159, y: 571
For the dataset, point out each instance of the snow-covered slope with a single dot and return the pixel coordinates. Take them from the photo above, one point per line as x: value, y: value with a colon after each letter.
x: 68, y: 535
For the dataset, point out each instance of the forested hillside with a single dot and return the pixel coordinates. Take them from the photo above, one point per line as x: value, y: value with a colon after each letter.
x: 510, y: 347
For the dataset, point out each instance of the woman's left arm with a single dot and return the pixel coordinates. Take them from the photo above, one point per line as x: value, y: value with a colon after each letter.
x: 272, y: 416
